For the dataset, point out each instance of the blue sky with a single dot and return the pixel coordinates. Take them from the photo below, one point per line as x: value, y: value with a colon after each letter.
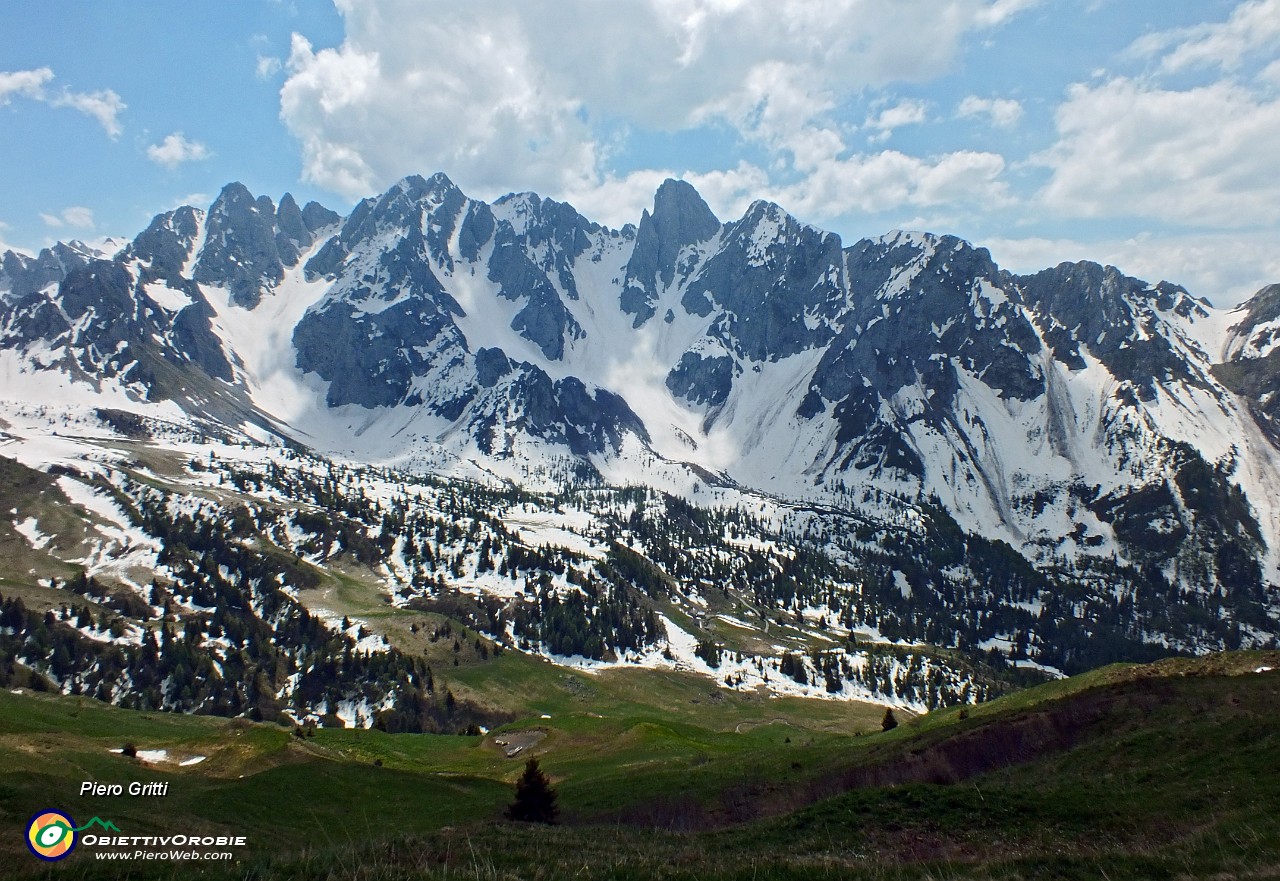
x: 1135, y: 133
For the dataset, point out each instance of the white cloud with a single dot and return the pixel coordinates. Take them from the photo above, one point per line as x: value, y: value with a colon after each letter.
x: 1252, y: 27
x: 76, y: 216
x: 1002, y: 10
x: 104, y: 106
x: 1226, y: 269
x: 521, y: 96
x: 175, y: 149
x: 268, y: 66
x: 774, y: 100
x: 835, y: 186
x: 366, y: 117
x: 1200, y: 156
x: 1003, y: 112
x: 900, y: 114
x: 24, y: 83
x: 890, y: 179
x: 195, y: 200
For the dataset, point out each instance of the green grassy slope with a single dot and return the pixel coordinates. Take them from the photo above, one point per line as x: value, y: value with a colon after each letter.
x: 1169, y: 770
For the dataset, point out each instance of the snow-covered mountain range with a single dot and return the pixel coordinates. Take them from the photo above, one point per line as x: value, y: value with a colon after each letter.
x: 1082, y: 417
x: 433, y: 328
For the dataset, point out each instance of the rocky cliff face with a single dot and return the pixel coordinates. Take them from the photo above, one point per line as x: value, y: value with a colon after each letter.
x: 1252, y: 364
x: 106, y: 324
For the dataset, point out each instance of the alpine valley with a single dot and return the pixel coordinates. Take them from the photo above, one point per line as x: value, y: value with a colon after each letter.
x: 269, y: 461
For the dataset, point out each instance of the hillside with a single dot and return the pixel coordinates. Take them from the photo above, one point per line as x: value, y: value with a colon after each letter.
x: 1158, y: 771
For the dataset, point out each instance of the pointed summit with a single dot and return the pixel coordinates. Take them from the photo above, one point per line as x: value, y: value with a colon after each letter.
x: 680, y: 219
x: 241, y: 251
x: 1253, y: 365
x: 769, y: 219
x: 290, y: 222
x: 441, y: 182
x: 317, y: 217
x: 1111, y: 315
x: 680, y: 214
x: 167, y: 242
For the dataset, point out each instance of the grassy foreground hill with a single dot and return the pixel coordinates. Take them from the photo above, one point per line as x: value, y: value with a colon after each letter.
x: 1169, y: 770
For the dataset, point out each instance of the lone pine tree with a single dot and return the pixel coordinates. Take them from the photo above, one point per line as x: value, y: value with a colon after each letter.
x: 890, y: 721
x: 535, y: 798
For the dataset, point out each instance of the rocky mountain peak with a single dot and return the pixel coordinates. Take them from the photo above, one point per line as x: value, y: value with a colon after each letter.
x: 1252, y: 365
x: 545, y: 220
x: 291, y: 224
x: 317, y: 217
x: 778, y: 284
x: 680, y: 213
x: 167, y: 241
x: 680, y: 220
x: 1262, y: 308
x: 760, y: 210
x: 1116, y: 318
x: 240, y: 249
x: 22, y: 275
x: 441, y: 183
x: 249, y: 242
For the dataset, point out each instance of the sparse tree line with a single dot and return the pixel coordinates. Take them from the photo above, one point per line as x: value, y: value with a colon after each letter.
x: 224, y: 637
x: 977, y: 595
x: 897, y: 674
x: 969, y: 593
x: 220, y: 630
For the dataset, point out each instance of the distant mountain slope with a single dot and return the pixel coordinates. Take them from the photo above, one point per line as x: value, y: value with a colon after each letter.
x: 1118, y: 435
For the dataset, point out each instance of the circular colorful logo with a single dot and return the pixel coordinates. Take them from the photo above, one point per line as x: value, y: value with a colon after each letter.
x: 51, y: 835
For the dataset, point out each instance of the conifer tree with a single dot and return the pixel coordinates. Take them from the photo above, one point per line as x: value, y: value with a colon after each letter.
x: 535, y: 800
x: 890, y: 721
